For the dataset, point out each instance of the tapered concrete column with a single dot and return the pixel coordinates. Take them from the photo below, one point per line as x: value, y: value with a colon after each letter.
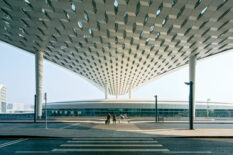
x: 192, y: 72
x: 106, y: 91
x: 39, y: 77
x: 130, y: 92
x: 117, y: 92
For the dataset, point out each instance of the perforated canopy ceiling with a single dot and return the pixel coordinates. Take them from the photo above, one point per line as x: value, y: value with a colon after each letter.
x: 124, y: 43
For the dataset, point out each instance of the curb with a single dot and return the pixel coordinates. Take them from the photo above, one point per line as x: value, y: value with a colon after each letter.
x: 54, y: 137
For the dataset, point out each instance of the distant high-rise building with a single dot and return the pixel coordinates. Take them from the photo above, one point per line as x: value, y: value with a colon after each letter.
x: 2, y: 98
x: 19, y: 108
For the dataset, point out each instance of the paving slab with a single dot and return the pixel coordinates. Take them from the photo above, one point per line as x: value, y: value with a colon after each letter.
x: 115, y: 130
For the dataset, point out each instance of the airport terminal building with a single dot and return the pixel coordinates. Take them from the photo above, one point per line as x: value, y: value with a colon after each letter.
x: 137, y: 108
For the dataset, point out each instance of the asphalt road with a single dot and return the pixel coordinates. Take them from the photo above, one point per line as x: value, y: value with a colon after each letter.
x: 142, y: 145
x: 116, y: 146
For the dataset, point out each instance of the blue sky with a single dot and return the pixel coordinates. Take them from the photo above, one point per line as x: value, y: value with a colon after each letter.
x: 17, y: 72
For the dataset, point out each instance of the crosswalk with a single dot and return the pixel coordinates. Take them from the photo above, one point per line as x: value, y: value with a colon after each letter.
x: 111, y: 144
x: 12, y: 142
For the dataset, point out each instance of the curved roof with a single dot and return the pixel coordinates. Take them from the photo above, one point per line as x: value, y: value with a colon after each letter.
x: 123, y: 43
x: 134, y: 104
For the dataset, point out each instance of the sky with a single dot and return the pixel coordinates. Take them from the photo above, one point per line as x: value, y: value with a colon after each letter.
x: 214, y: 80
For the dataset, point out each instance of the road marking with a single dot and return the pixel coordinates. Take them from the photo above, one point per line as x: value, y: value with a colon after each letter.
x: 190, y: 152
x: 138, y: 145
x: 216, y: 139
x: 114, y: 138
x: 12, y: 142
x: 32, y: 152
x: 110, y: 150
x: 112, y: 141
x: 69, y: 126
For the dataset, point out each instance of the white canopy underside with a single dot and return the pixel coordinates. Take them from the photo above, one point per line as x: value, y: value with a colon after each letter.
x: 123, y: 43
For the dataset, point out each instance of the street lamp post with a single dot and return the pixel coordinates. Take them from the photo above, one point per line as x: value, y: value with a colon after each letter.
x: 35, y: 114
x: 190, y: 104
x: 46, y: 122
x: 156, y: 109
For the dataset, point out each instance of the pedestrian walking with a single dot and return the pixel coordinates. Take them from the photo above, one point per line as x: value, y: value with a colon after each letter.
x: 114, y: 119
x: 108, y: 119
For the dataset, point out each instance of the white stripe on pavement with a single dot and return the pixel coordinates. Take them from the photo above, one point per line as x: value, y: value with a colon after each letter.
x: 114, y: 138
x: 12, y: 142
x: 110, y: 150
x: 138, y: 145
x: 112, y: 141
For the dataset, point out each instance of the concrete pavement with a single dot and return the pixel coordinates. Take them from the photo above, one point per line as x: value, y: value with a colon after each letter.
x: 97, y: 129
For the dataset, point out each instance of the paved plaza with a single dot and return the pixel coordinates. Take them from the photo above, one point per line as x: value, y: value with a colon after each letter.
x: 123, y: 129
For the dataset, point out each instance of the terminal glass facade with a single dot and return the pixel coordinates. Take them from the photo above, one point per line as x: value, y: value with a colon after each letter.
x: 139, y: 112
